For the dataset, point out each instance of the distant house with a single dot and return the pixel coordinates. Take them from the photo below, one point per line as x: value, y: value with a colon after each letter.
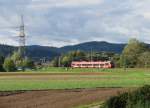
x: 92, y: 64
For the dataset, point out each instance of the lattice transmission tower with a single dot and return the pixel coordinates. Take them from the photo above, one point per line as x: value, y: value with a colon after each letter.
x: 22, y: 37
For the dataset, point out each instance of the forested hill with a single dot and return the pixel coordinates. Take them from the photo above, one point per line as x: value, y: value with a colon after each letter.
x: 34, y: 51
x: 95, y: 46
x: 50, y: 52
x: 5, y: 50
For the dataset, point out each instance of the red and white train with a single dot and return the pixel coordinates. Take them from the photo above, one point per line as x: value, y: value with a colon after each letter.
x: 92, y: 64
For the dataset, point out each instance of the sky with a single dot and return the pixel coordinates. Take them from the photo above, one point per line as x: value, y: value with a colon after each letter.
x: 68, y: 22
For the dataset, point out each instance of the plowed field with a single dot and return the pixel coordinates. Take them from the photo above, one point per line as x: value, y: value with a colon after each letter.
x: 56, y: 98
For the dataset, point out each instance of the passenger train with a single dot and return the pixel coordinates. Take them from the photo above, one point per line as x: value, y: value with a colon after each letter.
x: 92, y: 64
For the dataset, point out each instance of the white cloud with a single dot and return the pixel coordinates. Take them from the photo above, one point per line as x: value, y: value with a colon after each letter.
x: 63, y: 3
x: 146, y: 15
x: 63, y: 22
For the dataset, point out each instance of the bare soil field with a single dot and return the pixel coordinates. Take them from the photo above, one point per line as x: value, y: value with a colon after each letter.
x: 56, y: 98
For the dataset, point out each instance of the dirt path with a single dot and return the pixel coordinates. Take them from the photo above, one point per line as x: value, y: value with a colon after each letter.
x: 56, y: 98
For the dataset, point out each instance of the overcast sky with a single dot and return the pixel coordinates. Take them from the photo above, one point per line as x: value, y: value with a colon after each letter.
x: 67, y: 22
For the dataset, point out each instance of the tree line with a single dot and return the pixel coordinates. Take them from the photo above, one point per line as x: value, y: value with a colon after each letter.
x: 65, y: 59
x: 135, y: 54
x: 15, y: 62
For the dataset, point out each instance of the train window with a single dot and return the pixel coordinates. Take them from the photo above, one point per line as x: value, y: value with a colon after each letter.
x: 84, y: 65
x: 96, y: 64
x: 106, y: 63
x: 90, y: 64
x: 101, y: 64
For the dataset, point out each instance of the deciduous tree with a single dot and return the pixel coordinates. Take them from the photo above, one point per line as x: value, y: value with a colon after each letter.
x: 9, y: 65
x: 131, y: 52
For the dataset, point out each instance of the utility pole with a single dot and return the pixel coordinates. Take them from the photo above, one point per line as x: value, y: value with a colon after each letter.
x: 91, y: 55
x: 59, y: 61
x: 22, y: 40
x: 124, y: 63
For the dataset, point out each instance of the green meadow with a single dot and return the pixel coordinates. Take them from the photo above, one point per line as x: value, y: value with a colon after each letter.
x: 62, y: 78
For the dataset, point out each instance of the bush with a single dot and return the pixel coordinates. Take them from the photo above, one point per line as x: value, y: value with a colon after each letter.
x: 117, y: 101
x: 9, y: 65
x: 137, y: 99
x: 28, y: 63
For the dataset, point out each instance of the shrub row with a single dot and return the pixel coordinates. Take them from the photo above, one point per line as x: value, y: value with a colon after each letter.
x: 139, y: 98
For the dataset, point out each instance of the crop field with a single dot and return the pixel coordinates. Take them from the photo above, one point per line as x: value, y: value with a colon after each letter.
x: 66, y: 88
x: 53, y: 78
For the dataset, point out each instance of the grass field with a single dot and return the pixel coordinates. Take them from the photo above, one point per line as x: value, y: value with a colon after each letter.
x: 60, y: 78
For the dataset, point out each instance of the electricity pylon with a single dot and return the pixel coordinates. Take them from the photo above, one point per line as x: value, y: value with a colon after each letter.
x: 22, y: 38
